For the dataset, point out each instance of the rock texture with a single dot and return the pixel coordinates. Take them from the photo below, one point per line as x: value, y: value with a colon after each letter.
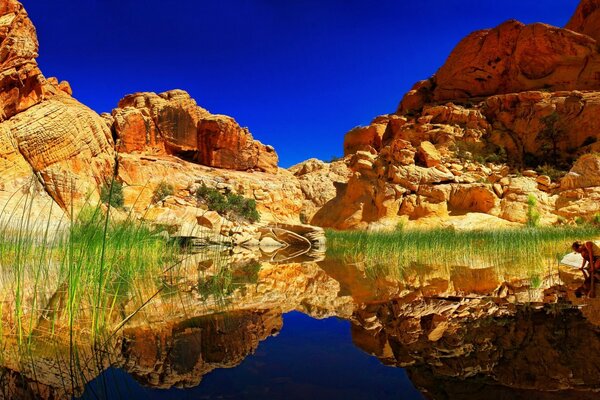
x: 512, y: 57
x: 172, y: 123
x: 22, y: 84
x: 318, y: 181
x: 468, y: 140
x: 47, y: 136
x: 586, y: 19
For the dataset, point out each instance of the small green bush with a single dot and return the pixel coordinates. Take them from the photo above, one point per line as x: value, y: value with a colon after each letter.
x: 114, y: 199
x: 533, y: 215
x: 580, y: 221
x: 163, y: 189
x: 230, y: 204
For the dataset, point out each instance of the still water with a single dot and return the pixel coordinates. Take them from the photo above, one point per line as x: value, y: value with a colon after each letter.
x: 308, y: 359
x: 233, y: 328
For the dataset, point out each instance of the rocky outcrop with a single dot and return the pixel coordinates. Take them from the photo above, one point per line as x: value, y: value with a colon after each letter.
x: 181, y: 354
x: 278, y: 196
x: 512, y: 57
x: 586, y: 19
x: 446, y: 345
x: 507, y: 99
x: 22, y: 84
x: 47, y: 136
x: 318, y: 182
x: 172, y: 123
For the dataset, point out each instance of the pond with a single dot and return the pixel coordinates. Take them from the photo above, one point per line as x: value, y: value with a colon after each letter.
x: 232, y: 326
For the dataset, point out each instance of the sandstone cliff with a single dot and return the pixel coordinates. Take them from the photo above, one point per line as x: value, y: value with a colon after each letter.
x: 466, y: 148
x: 509, y: 112
x: 56, y: 154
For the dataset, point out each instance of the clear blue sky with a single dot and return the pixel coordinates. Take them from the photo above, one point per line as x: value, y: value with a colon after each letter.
x: 298, y: 73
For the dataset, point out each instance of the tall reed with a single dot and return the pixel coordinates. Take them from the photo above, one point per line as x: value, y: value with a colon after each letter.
x: 526, y: 249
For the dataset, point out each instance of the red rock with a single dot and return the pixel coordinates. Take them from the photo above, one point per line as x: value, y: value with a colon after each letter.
x: 172, y: 123
x: 512, y: 57
x: 22, y: 84
x: 586, y: 19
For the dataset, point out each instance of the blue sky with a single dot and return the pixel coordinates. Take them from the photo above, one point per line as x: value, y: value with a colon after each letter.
x: 298, y: 73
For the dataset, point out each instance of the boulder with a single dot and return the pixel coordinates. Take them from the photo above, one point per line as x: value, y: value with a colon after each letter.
x: 363, y: 137
x: 585, y: 173
x: 211, y: 220
x: 428, y: 155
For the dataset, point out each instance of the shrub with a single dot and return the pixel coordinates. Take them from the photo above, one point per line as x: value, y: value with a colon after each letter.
x: 481, y: 152
x: 163, y: 189
x: 551, y: 136
x: 579, y: 220
x: 114, y: 199
x: 533, y: 215
x: 230, y: 204
x: 554, y: 173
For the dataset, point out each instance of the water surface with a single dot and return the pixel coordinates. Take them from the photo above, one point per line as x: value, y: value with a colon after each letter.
x: 233, y: 327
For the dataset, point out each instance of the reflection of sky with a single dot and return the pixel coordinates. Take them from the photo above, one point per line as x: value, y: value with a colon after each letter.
x: 309, y: 359
x: 299, y: 74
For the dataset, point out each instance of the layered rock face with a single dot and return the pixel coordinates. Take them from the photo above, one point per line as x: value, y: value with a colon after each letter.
x: 22, y: 84
x: 47, y: 136
x: 56, y: 153
x: 512, y: 57
x: 172, y: 123
x: 586, y: 19
x: 318, y: 182
x: 467, y: 140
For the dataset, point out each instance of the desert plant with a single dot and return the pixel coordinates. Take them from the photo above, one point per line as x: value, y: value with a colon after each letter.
x: 162, y: 190
x: 111, y: 193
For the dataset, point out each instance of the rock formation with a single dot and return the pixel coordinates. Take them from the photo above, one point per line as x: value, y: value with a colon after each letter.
x: 172, y: 123
x: 56, y: 153
x: 510, y: 105
x: 512, y: 57
x: 461, y: 149
x: 586, y: 19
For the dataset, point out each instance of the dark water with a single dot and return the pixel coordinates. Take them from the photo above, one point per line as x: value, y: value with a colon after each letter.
x: 308, y: 359
x: 326, y: 329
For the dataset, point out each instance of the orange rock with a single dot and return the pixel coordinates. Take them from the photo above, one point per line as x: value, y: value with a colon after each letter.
x: 512, y: 57
x: 172, y: 123
x: 428, y: 155
x: 585, y: 173
x: 22, y: 84
x: 318, y: 182
x: 363, y: 137
x: 586, y: 19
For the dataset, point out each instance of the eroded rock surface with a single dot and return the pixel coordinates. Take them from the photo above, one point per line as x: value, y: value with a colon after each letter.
x: 172, y: 123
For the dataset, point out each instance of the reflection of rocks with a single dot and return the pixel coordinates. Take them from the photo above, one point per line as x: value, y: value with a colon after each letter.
x: 206, y: 284
x: 180, y: 354
x: 452, y: 346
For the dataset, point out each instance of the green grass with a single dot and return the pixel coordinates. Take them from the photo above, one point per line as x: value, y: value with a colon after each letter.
x: 527, y: 249
x: 233, y: 205
x: 76, y: 279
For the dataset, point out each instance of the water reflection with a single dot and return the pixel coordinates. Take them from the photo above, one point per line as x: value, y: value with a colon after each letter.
x: 459, y: 333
